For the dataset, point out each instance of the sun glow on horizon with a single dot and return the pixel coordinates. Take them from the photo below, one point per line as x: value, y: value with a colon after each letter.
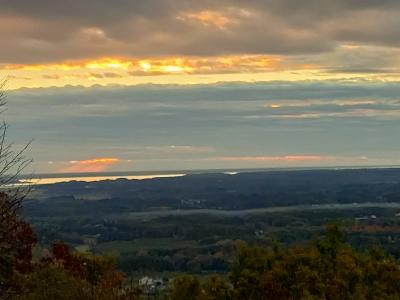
x: 128, y: 71
x: 172, y: 70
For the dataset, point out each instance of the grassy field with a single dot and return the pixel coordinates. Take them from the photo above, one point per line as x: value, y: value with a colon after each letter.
x: 124, y: 247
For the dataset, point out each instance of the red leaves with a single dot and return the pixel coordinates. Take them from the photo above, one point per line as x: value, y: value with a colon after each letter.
x: 62, y: 254
x: 25, y: 240
x: 92, y: 274
x: 91, y: 268
x: 17, y: 238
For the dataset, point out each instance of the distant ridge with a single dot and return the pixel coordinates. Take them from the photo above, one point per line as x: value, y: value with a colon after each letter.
x: 199, y: 171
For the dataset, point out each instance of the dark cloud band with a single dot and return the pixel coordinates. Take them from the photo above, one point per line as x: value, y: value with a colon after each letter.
x: 54, y: 30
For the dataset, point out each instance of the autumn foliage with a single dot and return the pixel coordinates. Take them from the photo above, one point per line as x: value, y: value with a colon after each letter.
x: 76, y: 276
x: 328, y: 269
x: 63, y: 274
x: 16, y: 242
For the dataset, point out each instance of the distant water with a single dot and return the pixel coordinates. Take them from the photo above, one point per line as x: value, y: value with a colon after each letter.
x: 51, y: 180
x: 90, y: 177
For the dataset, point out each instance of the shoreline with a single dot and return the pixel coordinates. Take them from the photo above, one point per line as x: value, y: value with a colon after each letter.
x: 52, y: 178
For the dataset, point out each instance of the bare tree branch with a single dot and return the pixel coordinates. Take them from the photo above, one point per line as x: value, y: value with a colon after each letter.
x: 12, y: 163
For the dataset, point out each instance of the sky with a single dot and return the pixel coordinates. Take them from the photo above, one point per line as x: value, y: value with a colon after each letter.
x: 129, y: 85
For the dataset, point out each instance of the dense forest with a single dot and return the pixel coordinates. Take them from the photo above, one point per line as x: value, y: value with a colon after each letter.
x: 110, y: 248
x: 247, y: 190
x: 190, y: 224
x: 326, y: 268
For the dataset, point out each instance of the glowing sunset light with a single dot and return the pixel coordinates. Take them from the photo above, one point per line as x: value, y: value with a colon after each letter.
x: 172, y: 69
x: 275, y: 106
x: 207, y: 18
x: 90, y: 165
x: 128, y: 71
x: 96, y: 161
x: 109, y: 63
x: 144, y: 65
x: 167, y: 64
x: 41, y: 67
x: 103, y: 63
x: 202, y: 84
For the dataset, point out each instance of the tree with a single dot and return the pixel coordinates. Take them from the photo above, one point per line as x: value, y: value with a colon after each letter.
x: 215, y: 288
x: 185, y: 287
x: 326, y: 269
x: 16, y: 242
x: 16, y: 236
x: 63, y: 275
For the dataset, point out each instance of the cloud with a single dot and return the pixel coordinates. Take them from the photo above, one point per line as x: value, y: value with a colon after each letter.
x: 207, y: 18
x: 220, y: 20
x: 133, y: 42
x: 90, y: 165
x: 186, y: 126
x: 95, y: 161
x: 53, y: 31
x: 18, y: 77
x: 120, y: 67
x: 285, y: 158
x: 51, y: 76
x: 95, y: 64
x: 181, y: 149
x: 156, y: 103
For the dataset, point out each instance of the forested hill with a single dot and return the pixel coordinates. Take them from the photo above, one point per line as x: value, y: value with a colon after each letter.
x: 200, y: 225
x: 219, y: 191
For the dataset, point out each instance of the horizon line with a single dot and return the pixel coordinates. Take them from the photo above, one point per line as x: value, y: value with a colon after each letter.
x: 202, y: 171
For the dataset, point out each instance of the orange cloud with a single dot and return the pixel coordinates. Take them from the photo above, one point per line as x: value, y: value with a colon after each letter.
x: 275, y: 106
x: 218, y: 19
x: 104, y: 63
x: 109, y: 63
x: 207, y: 18
x: 158, y: 66
x: 90, y: 165
x: 41, y: 67
x: 211, y: 65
